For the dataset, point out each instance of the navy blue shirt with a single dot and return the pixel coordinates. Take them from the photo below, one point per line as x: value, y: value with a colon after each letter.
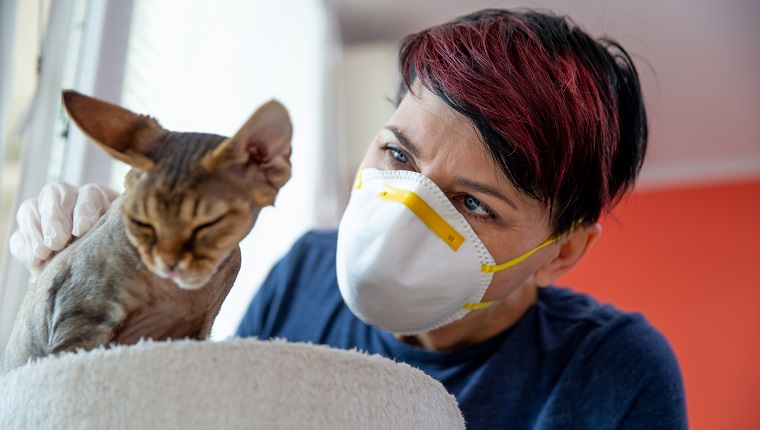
x: 569, y: 363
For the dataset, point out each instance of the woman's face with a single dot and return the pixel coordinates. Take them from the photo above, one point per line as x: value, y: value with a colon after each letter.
x: 427, y: 136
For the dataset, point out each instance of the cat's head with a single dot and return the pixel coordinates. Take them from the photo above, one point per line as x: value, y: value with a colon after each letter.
x: 191, y: 197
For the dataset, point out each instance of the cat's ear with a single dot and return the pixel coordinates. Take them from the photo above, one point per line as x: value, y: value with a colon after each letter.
x: 124, y: 135
x: 261, y: 145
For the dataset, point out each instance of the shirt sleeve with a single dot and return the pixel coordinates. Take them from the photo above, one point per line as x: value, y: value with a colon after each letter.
x: 630, y: 379
x: 660, y: 402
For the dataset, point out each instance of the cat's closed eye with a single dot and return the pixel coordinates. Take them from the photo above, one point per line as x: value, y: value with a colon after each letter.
x: 142, y: 225
x: 206, y: 225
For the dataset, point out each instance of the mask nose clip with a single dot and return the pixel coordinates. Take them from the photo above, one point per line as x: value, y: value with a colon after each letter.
x: 425, y: 213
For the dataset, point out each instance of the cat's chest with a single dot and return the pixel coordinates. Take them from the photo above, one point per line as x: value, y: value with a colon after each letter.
x: 165, y: 311
x: 159, y: 309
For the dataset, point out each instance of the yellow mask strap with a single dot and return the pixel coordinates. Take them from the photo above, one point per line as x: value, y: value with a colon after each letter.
x: 358, y: 178
x: 487, y: 268
x: 477, y: 306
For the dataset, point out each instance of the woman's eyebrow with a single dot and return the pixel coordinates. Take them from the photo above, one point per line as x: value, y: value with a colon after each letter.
x: 475, y: 186
x: 485, y: 189
x: 404, y: 141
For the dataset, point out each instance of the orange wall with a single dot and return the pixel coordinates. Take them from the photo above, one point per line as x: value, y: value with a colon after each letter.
x: 689, y: 259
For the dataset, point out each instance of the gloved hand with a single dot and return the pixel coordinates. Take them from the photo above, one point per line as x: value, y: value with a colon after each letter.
x: 48, y: 223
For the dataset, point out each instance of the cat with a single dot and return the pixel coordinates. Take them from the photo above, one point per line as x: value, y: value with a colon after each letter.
x: 164, y: 256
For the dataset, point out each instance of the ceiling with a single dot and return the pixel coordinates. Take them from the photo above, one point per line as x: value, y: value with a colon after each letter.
x: 371, y: 20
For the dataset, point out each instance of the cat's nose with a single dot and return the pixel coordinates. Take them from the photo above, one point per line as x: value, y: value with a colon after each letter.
x: 169, y: 252
x: 170, y: 261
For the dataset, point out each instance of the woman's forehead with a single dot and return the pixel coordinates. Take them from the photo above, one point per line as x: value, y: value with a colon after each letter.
x: 429, y: 119
x: 448, y: 144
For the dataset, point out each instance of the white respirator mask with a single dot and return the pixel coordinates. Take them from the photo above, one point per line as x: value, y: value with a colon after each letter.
x: 407, y: 260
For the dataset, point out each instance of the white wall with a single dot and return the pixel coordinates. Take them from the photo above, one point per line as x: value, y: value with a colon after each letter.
x: 369, y: 89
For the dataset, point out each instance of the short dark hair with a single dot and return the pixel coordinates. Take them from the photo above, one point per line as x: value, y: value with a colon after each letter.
x: 560, y: 112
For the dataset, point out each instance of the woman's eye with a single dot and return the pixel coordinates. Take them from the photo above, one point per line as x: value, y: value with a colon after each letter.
x: 476, y: 208
x: 400, y: 156
x: 396, y: 154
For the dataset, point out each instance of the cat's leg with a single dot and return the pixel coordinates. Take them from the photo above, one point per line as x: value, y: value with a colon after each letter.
x: 205, y: 329
x: 218, y: 288
x: 28, y: 338
x: 83, y: 324
x: 81, y: 331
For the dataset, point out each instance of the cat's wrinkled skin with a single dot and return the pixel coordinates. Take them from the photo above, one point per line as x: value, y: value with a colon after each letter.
x: 161, y: 261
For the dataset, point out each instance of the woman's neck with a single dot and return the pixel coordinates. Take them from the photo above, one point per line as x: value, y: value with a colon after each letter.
x: 477, y: 326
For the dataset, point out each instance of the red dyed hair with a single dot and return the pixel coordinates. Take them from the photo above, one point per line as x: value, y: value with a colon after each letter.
x: 560, y: 112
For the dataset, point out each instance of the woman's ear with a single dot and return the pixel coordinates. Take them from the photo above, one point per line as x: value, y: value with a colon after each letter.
x: 572, y: 249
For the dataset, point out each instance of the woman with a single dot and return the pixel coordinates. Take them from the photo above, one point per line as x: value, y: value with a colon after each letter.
x: 514, y: 132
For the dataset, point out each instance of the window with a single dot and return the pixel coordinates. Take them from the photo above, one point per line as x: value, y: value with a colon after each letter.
x: 207, y: 67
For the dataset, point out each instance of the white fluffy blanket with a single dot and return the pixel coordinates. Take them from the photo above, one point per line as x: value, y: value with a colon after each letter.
x: 238, y: 383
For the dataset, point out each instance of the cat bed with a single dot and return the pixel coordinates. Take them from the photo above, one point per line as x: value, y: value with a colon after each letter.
x: 237, y: 383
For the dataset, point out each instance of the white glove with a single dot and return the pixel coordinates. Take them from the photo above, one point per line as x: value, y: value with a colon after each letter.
x: 48, y: 223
